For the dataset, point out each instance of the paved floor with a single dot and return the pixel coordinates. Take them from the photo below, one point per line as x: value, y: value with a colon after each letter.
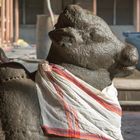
x: 22, y: 52
x: 131, y: 125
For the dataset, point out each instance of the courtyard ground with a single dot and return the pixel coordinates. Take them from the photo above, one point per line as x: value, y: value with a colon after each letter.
x: 131, y: 125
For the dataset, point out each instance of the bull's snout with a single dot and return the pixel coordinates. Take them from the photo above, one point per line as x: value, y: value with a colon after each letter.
x: 129, y: 56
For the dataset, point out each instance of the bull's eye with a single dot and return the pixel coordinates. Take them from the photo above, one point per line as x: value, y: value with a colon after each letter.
x: 95, y: 37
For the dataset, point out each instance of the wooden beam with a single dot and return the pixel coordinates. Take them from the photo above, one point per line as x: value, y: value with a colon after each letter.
x: 138, y: 15
x: 16, y: 20
x: 127, y: 84
x: 129, y: 103
x: 95, y: 7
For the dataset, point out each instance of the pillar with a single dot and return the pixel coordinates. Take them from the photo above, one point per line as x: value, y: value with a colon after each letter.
x: 11, y: 21
x: 7, y: 21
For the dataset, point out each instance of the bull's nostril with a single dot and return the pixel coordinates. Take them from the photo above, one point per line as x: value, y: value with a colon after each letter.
x: 129, y: 56
x: 134, y: 56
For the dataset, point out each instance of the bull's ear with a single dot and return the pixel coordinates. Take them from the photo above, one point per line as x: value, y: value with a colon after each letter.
x: 66, y: 37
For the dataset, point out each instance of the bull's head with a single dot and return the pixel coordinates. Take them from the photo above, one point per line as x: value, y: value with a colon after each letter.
x: 85, y: 40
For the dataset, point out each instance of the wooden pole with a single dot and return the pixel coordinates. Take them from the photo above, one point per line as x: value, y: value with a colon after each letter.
x: 16, y: 20
x: 3, y: 22
x: 138, y: 15
x: 50, y: 11
x: 7, y: 21
x: 11, y: 20
x: 95, y: 7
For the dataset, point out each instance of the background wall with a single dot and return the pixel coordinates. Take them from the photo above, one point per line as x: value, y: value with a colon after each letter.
x: 124, y: 20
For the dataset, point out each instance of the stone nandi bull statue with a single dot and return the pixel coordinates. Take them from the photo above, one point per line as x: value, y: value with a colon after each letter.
x: 82, y: 43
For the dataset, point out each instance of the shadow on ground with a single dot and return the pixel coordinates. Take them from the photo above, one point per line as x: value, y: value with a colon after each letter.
x: 131, y: 125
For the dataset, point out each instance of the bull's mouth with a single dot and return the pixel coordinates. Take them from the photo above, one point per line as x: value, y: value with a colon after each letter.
x: 121, y: 70
x: 129, y: 68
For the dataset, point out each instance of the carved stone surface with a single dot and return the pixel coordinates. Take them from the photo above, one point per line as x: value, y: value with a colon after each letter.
x: 86, y: 46
x: 89, y: 48
x: 19, y: 108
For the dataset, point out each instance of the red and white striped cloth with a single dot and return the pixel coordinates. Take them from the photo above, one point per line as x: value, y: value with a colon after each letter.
x: 72, y: 108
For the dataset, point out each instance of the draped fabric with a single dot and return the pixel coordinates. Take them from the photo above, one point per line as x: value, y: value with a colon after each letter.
x: 72, y: 108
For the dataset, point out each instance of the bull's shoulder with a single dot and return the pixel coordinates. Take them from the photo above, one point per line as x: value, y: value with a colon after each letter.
x: 11, y: 71
x: 19, y: 108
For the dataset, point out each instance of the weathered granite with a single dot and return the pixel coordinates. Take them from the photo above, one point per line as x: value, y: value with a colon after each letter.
x: 88, y: 47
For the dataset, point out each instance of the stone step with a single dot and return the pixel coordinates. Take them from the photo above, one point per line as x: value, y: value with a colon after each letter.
x: 128, y: 90
x: 128, y: 93
x: 127, y: 84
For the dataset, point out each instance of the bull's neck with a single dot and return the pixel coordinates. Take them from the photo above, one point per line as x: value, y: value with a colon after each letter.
x: 97, y: 78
